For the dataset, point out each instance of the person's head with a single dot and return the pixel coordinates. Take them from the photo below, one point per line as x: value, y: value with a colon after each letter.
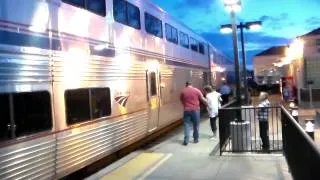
x: 208, y: 89
x: 263, y: 96
x: 188, y: 83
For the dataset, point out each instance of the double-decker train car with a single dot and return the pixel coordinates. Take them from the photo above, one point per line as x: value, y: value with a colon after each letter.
x: 81, y: 79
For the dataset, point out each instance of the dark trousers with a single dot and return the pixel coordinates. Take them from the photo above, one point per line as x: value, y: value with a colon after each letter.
x: 213, y: 124
x: 264, y: 128
x: 225, y: 98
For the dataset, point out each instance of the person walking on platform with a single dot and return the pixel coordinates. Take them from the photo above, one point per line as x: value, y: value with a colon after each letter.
x: 190, y: 98
x: 225, y: 91
x: 263, y: 116
x: 213, y: 100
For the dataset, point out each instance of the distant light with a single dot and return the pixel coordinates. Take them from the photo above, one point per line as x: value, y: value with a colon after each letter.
x: 99, y: 47
x: 292, y: 105
x: 295, y: 113
x: 223, y: 79
x: 277, y: 82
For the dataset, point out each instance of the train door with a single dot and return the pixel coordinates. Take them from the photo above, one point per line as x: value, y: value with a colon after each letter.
x: 153, y: 99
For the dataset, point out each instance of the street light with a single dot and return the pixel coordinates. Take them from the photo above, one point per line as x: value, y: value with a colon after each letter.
x: 233, y: 6
x: 253, y: 26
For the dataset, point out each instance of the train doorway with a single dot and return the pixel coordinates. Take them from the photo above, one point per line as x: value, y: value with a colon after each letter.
x: 153, y: 98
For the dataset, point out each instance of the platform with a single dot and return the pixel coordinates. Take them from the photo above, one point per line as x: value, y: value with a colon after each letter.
x: 168, y: 159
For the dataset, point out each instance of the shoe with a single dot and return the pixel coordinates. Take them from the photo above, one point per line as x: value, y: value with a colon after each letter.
x: 196, y: 141
x: 185, y: 143
x: 213, y: 138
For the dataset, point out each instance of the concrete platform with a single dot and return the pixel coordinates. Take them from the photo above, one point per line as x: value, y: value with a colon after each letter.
x: 167, y: 159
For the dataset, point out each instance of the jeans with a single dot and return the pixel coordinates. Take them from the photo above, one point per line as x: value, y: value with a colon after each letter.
x: 213, y: 124
x: 188, y: 118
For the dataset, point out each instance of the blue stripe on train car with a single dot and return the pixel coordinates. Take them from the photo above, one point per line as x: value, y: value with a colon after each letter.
x: 20, y: 39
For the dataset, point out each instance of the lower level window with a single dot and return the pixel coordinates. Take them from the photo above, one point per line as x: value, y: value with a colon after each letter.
x: 86, y: 104
x: 24, y: 114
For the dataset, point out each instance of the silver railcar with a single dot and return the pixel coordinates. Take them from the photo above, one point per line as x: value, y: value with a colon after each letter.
x: 80, y: 79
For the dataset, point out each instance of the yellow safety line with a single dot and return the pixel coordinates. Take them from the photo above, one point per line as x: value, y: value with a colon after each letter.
x: 134, y: 167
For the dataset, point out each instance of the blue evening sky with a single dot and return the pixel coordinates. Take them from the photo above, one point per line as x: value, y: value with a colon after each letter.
x: 282, y: 20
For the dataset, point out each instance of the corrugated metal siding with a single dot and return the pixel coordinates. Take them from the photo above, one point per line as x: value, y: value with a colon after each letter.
x: 29, y: 160
x: 15, y: 68
x: 100, y: 69
x: 77, y: 150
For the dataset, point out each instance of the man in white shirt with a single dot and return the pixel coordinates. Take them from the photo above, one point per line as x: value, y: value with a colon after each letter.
x: 213, y: 99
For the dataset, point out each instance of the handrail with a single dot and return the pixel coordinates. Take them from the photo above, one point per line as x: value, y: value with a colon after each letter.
x: 229, y: 103
x: 301, y: 130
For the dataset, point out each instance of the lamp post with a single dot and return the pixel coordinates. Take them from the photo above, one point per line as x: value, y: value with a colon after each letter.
x: 233, y: 6
x: 227, y: 28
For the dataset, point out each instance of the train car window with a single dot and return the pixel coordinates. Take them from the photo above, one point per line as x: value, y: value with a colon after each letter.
x: 184, y: 40
x: 126, y: 13
x: 133, y: 16
x: 100, y: 102
x: 77, y: 105
x: 153, y: 25
x: 96, y: 6
x: 201, y: 48
x: 32, y: 112
x: 194, y: 44
x: 171, y: 34
x: 78, y: 3
x: 153, y: 84
x: 175, y: 35
x: 168, y: 32
x: 5, y: 117
x: 120, y: 11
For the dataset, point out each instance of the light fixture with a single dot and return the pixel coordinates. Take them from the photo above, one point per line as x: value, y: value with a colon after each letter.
x: 226, y: 29
x: 232, y: 5
x: 254, y: 26
x: 100, y: 47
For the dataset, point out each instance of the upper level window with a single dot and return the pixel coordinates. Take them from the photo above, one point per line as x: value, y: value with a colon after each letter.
x: 153, y: 25
x: 126, y: 13
x: 194, y: 44
x: 95, y: 6
x: 79, y: 3
x: 24, y: 114
x: 85, y: 104
x: 201, y: 48
x: 318, y: 42
x: 171, y: 34
x: 184, y: 40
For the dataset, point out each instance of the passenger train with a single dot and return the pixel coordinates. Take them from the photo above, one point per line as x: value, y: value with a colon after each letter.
x: 81, y: 79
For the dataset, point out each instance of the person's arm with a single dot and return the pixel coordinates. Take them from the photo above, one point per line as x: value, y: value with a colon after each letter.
x: 202, y: 99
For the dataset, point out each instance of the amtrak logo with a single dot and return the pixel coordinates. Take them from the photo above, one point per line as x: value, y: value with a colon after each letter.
x: 122, y: 100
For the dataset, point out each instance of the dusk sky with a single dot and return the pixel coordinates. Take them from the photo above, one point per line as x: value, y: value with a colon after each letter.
x: 282, y: 20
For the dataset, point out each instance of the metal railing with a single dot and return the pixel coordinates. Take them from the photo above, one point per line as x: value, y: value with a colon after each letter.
x: 249, y: 134
x: 303, y: 157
